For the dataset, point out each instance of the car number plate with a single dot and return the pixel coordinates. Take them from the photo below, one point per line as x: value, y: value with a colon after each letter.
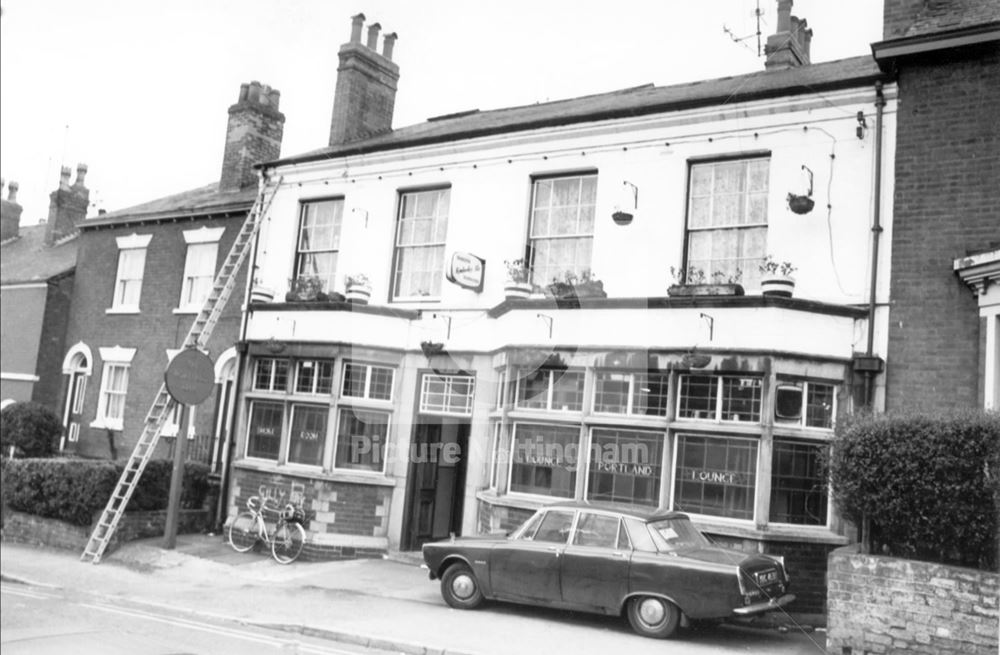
x: 767, y: 577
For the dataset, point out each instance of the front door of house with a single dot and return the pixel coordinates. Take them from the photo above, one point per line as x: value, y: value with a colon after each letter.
x: 74, y: 409
x: 437, y: 479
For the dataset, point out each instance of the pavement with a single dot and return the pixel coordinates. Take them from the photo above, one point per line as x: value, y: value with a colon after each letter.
x: 388, y: 604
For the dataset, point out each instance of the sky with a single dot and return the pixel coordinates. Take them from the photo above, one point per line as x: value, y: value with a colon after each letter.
x: 139, y: 90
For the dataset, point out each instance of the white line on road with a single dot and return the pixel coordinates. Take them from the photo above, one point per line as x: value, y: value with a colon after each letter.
x: 219, y: 630
x: 7, y: 589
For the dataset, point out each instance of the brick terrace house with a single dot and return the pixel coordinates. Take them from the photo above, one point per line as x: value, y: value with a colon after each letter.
x: 143, y: 274
x: 37, y: 265
x: 944, y: 334
x: 728, y: 401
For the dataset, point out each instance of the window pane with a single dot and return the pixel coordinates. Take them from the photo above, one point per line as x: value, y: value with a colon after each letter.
x: 649, y: 396
x: 625, y: 466
x: 447, y: 394
x: 596, y: 530
x: 381, y: 383
x: 611, y: 392
x: 741, y: 399
x: 264, y: 434
x: 819, y: 406
x: 555, y: 527
x: 361, y: 439
x: 697, y: 395
x: 354, y: 380
x: 567, y: 391
x: 716, y: 476
x: 544, y: 460
x: 798, y: 484
x: 533, y: 390
x: 308, y: 435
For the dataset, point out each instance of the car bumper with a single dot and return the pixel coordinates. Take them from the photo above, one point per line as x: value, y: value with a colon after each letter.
x: 758, y: 608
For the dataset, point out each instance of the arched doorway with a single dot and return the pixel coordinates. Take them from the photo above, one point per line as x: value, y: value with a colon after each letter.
x: 77, y: 366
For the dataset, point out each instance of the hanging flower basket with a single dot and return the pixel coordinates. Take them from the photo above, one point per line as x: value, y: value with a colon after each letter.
x: 800, y: 204
x: 431, y: 348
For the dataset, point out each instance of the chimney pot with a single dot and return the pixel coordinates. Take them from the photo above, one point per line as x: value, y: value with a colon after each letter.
x: 244, y: 92
x: 81, y: 174
x: 388, y: 41
x: 784, y: 16
x: 373, y: 31
x: 357, y: 22
x: 64, y: 177
x: 254, y: 93
x: 12, y: 191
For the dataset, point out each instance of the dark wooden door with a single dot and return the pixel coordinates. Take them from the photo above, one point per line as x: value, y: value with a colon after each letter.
x: 437, y: 479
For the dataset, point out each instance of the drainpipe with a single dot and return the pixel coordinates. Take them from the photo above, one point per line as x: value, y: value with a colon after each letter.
x: 869, y: 386
x: 241, y: 360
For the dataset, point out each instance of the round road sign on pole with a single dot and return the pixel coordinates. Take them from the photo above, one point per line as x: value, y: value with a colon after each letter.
x: 190, y: 377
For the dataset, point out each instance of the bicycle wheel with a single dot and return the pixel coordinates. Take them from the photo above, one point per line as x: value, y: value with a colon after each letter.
x: 244, y: 531
x: 289, y: 538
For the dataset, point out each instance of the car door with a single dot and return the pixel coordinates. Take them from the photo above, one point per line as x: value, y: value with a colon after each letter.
x: 527, y: 569
x: 594, y: 566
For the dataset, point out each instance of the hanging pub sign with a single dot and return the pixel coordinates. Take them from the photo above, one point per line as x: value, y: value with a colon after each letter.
x: 467, y: 271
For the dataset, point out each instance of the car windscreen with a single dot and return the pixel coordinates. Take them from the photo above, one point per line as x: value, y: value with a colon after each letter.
x: 672, y: 534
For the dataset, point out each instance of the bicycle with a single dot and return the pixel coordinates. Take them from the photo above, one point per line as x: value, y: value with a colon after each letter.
x: 250, y: 527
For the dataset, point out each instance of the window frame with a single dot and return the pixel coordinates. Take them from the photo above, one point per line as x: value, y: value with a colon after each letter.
x: 384, y: 456
x: 719, y: 399
x: 448, y: 379
x: 804, y: 388
x: 656, y: 462
x: 137, y: 244
x: 273, y: 374
x: 289, y: 409
x: 531, y: 250
x: 511, y: 460
x: 116, y: 357
x: 755, y: 469
x: 827, y: 508
x: 369, y: 368
x: 302, y: 253
x: 630, y: 401
x: 206, y: 238
x: 398, y: 249
x: 749, y: 274
x: 281, y: 429
x: 551, y: 390
x: 316, y: 377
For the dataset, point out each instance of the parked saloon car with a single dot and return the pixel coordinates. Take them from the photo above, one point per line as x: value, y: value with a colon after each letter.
x: 654, y: 566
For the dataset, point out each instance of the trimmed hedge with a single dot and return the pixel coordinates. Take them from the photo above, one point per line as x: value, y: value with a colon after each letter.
x: 74, y: 490
x: 32, y: 428
x: 929, y: 485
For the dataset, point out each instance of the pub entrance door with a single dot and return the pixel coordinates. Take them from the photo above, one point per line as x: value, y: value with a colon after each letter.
x: 436, y: 479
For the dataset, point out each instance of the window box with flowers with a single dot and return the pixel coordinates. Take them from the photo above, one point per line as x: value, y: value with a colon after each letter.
x: 305, y: 288
x: 692, y: 281
x: 584, y: 285
x: 776, y: 278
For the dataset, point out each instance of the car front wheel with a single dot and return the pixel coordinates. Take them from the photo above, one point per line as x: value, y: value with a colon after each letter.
x: 460, y: 587
x: 653, y: 617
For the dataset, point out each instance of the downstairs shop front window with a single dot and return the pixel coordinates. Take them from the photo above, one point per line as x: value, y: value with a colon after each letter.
x: 544, y: 460
x: 798, y: 483
x: 264, y: 433
x: 716, y: 476
x: 361, y: 439
x: 308, y: 434
x: 625, y: 466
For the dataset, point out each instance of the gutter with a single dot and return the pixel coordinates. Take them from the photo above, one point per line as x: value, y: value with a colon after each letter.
x: 870, y: 372
x: 887, y: 52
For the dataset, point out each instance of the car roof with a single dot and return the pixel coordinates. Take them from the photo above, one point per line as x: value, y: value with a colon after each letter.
x: 642, y: 513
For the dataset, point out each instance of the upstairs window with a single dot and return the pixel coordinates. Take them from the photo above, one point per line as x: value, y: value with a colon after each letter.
x: 727, y: 218
x: 551, y: 389
x: 319, y: 241
x: 639, y: 394
x: 367, y: 382
x: 199, y: 266
x: 314, y: 377
x: 561, y: 233
x: 270, y: 375
x: 421, y: 230
x: 805, y: 404
x: 719, y: 398
x: 128, y: 280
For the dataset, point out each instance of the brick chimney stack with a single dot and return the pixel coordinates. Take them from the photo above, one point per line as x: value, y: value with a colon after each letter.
x: 67, y: 205
x: 789, y: 45
x: 10, y: 213
x: 365, y: 95
x: 252, y: 136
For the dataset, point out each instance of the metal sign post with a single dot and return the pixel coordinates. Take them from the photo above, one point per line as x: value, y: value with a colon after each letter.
x: 189, y: 379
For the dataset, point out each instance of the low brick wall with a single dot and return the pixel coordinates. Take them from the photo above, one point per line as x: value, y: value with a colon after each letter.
x: 889, y: 605
x: 40, y: 531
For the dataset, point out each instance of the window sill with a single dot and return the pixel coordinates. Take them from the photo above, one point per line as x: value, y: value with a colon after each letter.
x: 122, y: 310
x: 783, y: 532
x: 187, y: 310
x: 372, y: 479
x: 109, y: 425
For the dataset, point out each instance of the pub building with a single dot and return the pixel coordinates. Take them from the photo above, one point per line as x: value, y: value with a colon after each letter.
x: 442, y: 400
